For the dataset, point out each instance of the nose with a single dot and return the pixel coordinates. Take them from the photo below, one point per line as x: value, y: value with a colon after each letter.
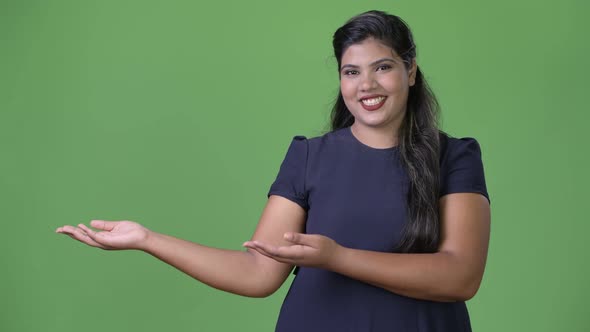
x: 368, y: 82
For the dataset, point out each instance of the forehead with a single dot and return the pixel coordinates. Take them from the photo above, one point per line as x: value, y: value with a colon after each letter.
x: 366, y: 51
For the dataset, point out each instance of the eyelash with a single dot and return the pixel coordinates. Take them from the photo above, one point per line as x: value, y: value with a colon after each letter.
x: 349, y: 72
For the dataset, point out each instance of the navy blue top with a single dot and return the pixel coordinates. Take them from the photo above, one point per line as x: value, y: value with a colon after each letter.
x: 356, y: 195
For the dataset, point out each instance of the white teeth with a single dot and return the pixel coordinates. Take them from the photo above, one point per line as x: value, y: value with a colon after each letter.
x: 372, y: 101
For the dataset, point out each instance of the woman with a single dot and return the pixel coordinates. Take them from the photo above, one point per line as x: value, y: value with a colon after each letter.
x: 386, y: 217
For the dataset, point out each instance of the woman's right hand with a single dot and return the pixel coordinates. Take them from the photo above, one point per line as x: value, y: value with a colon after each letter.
x: 112, y: 235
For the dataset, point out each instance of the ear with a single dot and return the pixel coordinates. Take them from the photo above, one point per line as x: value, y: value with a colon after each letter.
x: 412, y: 72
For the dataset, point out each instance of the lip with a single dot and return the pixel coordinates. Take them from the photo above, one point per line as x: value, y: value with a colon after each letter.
x: 372, y: 107
x: 371, y: 96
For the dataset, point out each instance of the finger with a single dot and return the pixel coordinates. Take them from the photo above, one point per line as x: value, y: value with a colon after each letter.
x: 103, y: 225
x: 91, y: 242
x: 276, y: 258
x: 266, y: 247
x: 249, y: 244
x: 300, y: 238
x: 80, y: 235
x: 61, y: 229
x: 294, y: 252
x: 253, y: 248
x: 70, y: 235
x: 260, y: 251
x: 97, y: 237
x: 70, y: 229
x: 86, y: 229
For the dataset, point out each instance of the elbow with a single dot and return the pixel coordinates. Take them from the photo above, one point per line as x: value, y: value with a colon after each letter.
x: 464, y: 284
x: 252, y: 293
x: 465, y: 290
x: 254, y: 289
x: 464, y: 295
x: 258, y: 291
x: 471, y: 291
x: 262, y: 293
x: 459, y: 288
x: 262, y: 283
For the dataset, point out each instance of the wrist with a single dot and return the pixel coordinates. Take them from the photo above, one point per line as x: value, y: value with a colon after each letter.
x: 148, y: 242
x: 338, y: 259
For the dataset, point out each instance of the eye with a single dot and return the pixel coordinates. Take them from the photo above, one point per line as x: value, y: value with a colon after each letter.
x: 384, y: 67
x: 350, y: 72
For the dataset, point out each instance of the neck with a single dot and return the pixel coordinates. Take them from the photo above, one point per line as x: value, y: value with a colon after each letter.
x: 378, y: 138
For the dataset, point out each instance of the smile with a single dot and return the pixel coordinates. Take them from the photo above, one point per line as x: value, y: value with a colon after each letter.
x: 373, y: 103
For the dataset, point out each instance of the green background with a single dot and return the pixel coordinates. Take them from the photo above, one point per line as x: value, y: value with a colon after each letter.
x: 177, y: 115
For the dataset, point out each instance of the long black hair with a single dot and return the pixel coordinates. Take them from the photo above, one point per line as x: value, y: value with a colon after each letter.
x: 419, y: 141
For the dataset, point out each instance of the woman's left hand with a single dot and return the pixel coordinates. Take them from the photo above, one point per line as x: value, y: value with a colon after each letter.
x: 306, y: 250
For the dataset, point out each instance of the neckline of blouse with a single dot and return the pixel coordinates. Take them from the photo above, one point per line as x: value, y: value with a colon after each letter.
x: 348, y: 131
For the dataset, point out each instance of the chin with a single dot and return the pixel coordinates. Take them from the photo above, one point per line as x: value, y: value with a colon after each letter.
x: 375, y: 119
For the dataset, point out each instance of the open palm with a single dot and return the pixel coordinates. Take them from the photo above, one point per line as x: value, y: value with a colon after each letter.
x: 111, y: 235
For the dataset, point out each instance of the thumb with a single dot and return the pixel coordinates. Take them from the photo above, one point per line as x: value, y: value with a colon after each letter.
x: 300, y: 238
x: 103, y: 225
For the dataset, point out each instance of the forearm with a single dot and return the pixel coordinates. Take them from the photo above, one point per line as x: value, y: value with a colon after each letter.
x: 437, y: 277
x: 228, y: 270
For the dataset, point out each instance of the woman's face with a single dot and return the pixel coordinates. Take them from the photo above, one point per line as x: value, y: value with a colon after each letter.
x: 374, y: 83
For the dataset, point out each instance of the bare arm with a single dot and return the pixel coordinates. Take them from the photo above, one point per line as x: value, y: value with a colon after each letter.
x: 245, y: 273
x: 241, y: 272
x: 454, y: 273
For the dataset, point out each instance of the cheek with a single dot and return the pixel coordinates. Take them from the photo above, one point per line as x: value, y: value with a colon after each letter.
x: 348, y: 92
x: 395, y: 83
x: 347, y: 89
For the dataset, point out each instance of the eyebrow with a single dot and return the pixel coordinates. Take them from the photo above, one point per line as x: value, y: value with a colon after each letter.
x: 371, y: 64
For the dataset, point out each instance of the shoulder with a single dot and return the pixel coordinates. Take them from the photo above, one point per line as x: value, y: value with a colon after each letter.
x: 452, y: 148
x: 461, y: 165
x: 317, y: 142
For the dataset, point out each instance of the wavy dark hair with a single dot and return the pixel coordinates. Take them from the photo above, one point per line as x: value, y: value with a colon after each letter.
x: 419, y: 141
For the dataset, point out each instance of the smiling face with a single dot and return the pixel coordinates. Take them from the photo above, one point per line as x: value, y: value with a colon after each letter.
x: 374, y: 83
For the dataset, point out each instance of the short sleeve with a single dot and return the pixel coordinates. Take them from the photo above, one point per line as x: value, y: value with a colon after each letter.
x: 290, y: 181
x: 462, y: 168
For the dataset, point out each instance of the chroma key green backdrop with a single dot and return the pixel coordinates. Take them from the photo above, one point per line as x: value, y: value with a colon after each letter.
x: 177, y: 114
